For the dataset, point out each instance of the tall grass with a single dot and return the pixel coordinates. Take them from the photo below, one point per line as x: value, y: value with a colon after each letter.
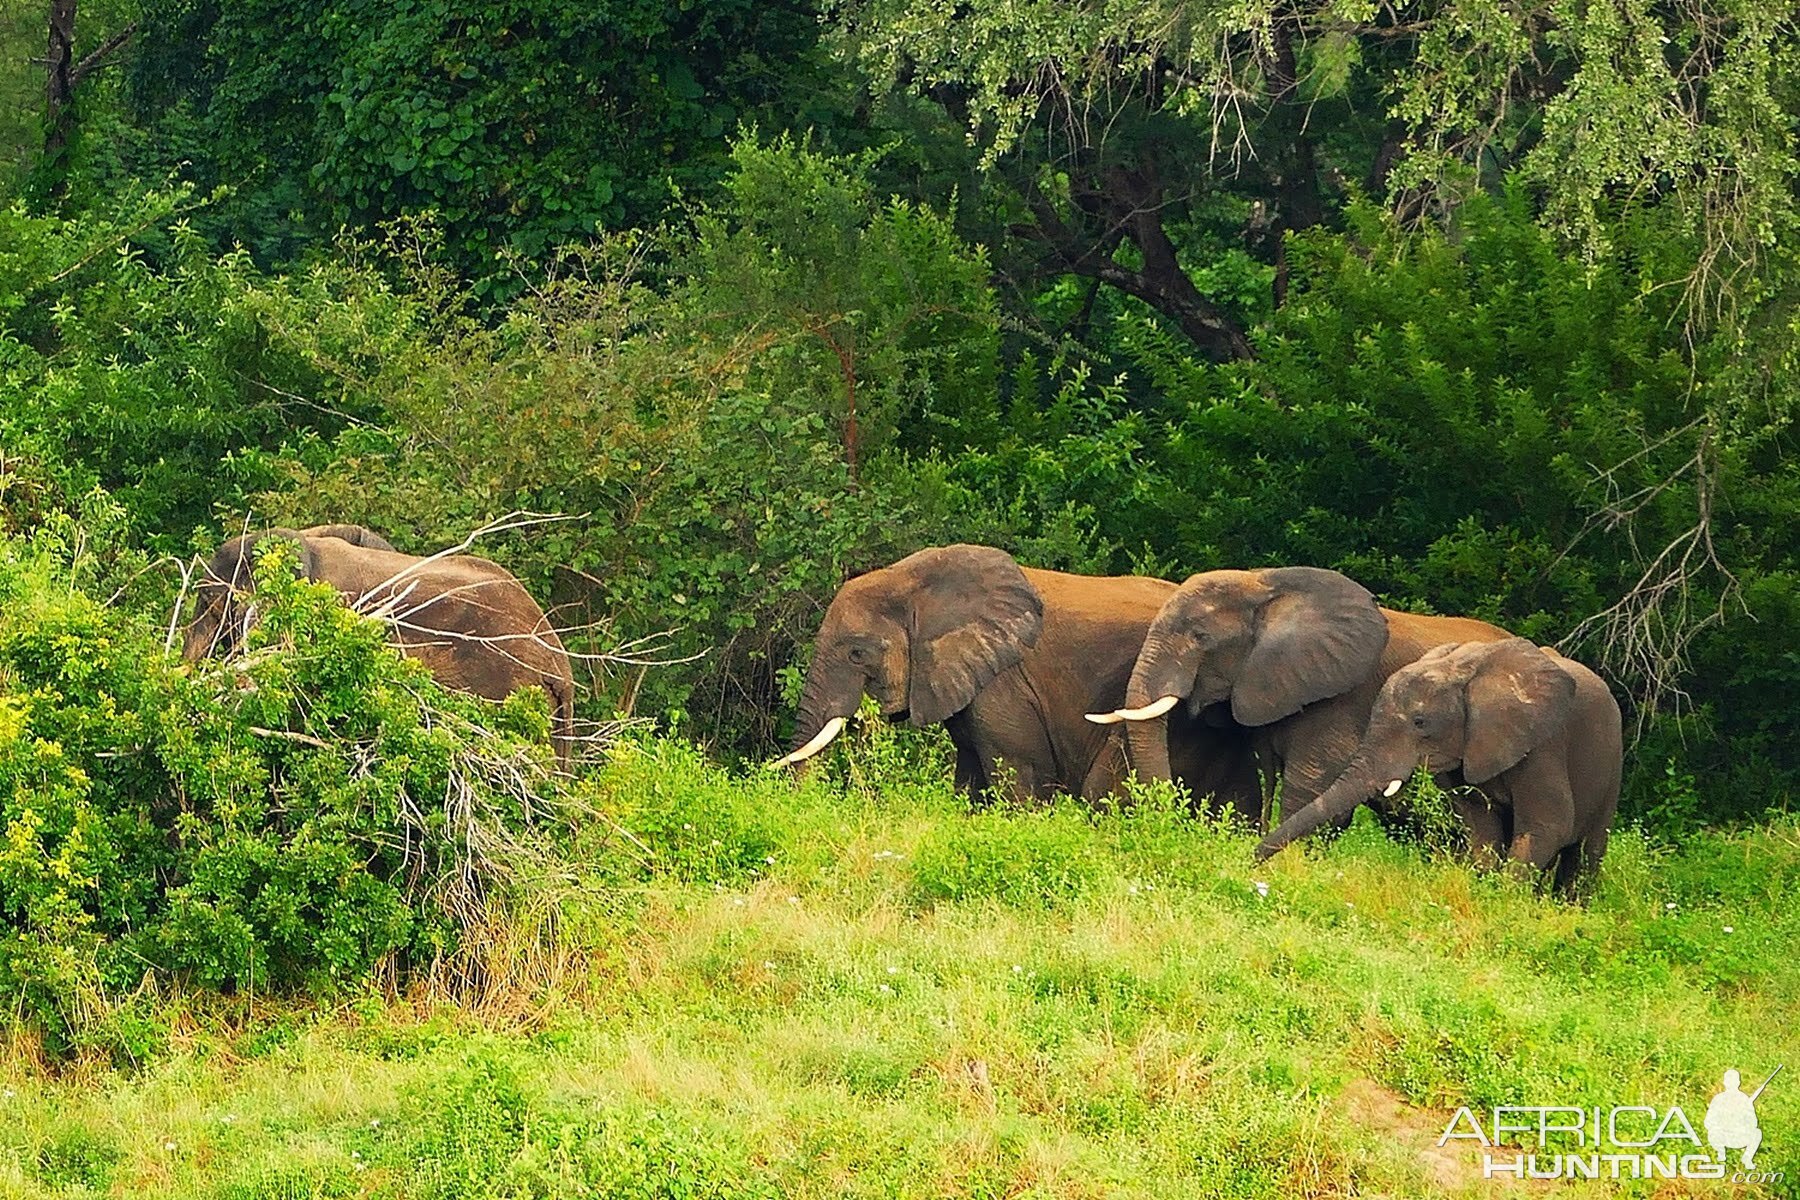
x: 851, y: 985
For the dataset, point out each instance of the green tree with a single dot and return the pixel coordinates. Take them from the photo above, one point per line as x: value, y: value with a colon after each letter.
x: 521, y: 123
x: 1139, y: 139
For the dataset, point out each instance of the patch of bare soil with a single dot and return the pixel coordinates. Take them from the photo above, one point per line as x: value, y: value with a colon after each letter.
x: 1455, y: 1167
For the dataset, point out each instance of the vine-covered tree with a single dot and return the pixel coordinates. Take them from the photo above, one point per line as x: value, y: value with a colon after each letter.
x: 1131, y: 131
x: 521, y: 123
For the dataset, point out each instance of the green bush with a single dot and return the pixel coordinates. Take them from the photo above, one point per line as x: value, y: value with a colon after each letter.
x: 279, y: 822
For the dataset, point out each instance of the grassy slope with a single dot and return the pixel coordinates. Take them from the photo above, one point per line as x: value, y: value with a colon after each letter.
x: 854, y: 988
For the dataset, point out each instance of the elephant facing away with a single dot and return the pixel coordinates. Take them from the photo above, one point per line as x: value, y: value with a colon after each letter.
x: 470, y: 621
x: 1009, y: 659
x: 1539, y: 734
x: 356, y: 535
x: 1297, y: 653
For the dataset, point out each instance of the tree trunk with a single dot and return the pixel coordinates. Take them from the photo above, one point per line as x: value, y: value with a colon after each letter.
x: 59, y: 90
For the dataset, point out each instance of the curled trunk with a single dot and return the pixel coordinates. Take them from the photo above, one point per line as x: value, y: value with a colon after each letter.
x: 1362, y: 780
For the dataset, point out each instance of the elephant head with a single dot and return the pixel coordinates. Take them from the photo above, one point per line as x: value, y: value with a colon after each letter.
x: 922, y: 637
x: 222, y: 609
x: 1266, y: 642
x: 1481, y: 706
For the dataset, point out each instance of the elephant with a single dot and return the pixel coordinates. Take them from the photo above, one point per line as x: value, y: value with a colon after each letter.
x: 1008, y: 658
x: 1539, y: 735
x: 470, y: 621
x: 356, y: 535
x: 1297, y: 653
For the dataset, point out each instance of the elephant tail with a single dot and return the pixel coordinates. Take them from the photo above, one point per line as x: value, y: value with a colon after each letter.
x: 562, y: 717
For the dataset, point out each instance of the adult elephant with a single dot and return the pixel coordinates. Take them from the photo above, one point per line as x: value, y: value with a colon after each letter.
x: 470, y: 621
x: 1538, y: 734
x: 356, y: 535
x: 1298, y: 654
x: 1009, y: 659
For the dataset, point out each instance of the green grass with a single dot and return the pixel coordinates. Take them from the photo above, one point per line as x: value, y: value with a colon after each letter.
x: 852, y: 986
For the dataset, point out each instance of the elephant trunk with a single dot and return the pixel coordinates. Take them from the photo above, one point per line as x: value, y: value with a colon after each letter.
x: 1364, y: 779
x: 1163, y: 677
x: 829, y: 700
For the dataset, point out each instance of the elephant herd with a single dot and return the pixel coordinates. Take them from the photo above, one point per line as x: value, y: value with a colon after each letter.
x: 1230, y: 683
x: 1240, y: 685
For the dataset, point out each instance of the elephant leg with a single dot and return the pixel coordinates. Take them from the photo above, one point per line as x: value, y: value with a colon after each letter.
x: 1010, y: 782
x: 1106, y: 777
x: 1543, y: 821
x: 1486, y: 827
x: 1013, y: 746
x: 1581, y: 863
x: 971, y: 776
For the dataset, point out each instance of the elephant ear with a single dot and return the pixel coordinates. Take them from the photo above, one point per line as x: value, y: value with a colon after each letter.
x: 230, y: 564
x: 974, y: 615
x: 1320, y: 635
x: 1518, y: 697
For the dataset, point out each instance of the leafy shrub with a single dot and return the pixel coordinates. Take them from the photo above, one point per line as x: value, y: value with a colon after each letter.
x: 133, y: 359
x: 282, y: 821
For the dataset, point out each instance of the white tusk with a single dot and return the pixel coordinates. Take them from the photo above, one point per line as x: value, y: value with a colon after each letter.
x: 1394, y: 787
x: 1150, y: 711
x: 1105, y: 718
x: 821, y: 739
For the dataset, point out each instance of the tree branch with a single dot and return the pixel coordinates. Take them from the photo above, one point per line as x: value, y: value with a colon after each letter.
x: 93, y: 62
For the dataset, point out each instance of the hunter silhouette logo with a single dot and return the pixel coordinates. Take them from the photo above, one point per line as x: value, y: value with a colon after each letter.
x: 1632, y: 1141
x: 1731, y: 1119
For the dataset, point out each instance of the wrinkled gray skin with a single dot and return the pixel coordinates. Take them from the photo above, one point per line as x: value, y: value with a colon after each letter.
x: 1009, y: 659
x: 1298, y: 654
x: 1537, y: 733
x: 470, y: 621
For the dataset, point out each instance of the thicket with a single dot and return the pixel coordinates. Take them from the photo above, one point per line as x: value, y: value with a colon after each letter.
x: 807, y: 379
x: 286, y: 821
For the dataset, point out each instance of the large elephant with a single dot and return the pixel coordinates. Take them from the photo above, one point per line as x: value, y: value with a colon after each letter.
x: 1538, y: 734
x: 1297, y: 653
x: 356, y: 535
x: 1009, y: 659
x: 470, y: 621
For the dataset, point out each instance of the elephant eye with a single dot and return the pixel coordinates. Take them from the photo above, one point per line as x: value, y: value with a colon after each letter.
x: 1419, y: 722
x: 859, y: 655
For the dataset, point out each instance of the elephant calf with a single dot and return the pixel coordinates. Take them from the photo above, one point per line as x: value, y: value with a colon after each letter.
x: 1297, y: 653
x: 470, y: 621
x: 1537, y: 733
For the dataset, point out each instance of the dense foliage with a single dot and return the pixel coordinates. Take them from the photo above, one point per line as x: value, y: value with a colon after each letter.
x: 286, y: 820
x: 523, y: 124
x: 1492, y: 306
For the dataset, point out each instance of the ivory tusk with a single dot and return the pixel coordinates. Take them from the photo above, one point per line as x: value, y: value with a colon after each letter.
x: 1150, y: 711
x: 1105, y: 718
x: 1393, y: 787
x: 821, y: 739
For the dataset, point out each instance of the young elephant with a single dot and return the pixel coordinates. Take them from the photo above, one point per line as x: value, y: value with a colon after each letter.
x: 470, y: 621
x: 1008, y: 659
x: 1298, y: 653
x: 1539, y: 734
